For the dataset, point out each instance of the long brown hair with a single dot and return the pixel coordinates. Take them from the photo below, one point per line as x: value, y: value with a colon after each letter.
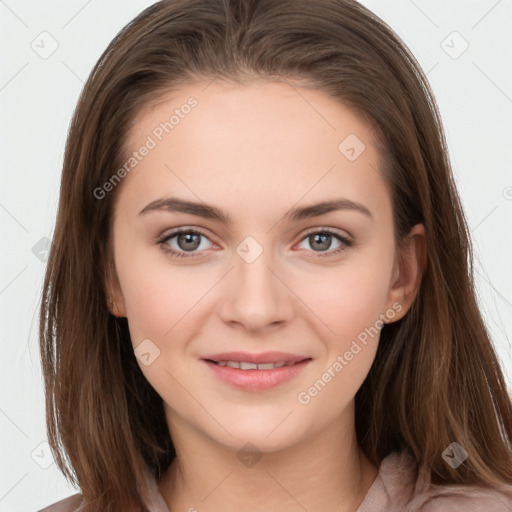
x: 436, y: 378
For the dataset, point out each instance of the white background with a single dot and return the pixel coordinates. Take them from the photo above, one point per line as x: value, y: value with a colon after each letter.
x: 37, y: 97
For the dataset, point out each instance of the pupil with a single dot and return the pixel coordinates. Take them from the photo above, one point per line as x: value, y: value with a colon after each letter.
x: 325, y: 240
x: 187, y: 238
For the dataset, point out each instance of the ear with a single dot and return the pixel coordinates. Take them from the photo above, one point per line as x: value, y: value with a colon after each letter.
x: 114, y: 298
x: 410, y: 263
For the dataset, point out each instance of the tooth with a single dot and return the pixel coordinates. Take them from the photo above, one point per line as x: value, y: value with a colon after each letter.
x: 248, y: 366
x: 253, y: 366
x: 267, y: 366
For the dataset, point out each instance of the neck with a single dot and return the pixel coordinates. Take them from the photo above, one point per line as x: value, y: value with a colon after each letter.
x: 326, y: 471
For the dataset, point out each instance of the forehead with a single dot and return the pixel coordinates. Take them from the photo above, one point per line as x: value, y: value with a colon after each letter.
x: 269, y: 141
x: 263, y: 107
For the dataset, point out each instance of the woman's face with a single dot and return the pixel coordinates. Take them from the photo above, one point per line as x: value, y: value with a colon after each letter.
x: 242, y: 166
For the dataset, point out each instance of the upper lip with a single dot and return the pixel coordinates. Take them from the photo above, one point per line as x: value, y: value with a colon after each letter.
x: 263, y: 357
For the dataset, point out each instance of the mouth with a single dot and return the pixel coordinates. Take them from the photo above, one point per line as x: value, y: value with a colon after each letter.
x: 256, y: 372
x: 276, y: 358
x: 245, y: 365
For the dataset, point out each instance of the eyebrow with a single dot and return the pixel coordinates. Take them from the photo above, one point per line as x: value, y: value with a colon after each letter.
x: 174, y: 204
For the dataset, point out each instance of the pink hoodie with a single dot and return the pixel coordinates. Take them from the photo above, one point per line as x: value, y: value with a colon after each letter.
x: 394, y: 490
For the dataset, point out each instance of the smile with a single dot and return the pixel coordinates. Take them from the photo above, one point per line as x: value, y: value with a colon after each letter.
x: 243, y: 365
x: 255, y: 376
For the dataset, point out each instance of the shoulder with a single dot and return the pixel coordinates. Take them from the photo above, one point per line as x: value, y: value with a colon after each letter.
x: 402, y: 486
x: 70, y: 504
x: 460, y: 498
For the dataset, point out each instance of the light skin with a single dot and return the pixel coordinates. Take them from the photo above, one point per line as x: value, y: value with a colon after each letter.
x: 256, y: 151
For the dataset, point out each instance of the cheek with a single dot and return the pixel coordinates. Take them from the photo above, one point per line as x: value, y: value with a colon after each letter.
x: 351, y: 306
x: 349, y: 300
x: 157, y: 295
x: 162, y: 304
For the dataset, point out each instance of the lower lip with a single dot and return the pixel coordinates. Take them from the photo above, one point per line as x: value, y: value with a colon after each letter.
x: 257, y: 380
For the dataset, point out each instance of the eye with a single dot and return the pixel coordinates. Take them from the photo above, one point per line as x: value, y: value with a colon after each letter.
x: 189, y: 242
x: 321, y: 240
x: 183, y: 243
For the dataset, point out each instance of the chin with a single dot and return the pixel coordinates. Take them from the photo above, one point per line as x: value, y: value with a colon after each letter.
x: 267, y: 435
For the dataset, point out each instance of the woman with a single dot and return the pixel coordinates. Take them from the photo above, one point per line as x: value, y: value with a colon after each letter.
x: 259, y: 294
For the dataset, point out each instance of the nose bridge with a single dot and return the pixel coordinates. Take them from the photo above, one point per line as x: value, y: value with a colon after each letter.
x: 257, y: 297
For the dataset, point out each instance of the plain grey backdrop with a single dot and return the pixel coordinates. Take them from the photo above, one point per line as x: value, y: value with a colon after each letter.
x: 48, y: 48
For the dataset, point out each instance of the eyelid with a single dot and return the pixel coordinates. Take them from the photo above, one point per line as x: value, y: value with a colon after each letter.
x: 326, y: 229
x: 177, y: 231
x: 346, y: 240
x: 315, y: 229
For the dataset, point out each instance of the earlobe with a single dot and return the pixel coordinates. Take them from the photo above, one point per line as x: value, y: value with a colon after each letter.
x: 114, y: 309
x: 114, y: 296
x: 408, y: 271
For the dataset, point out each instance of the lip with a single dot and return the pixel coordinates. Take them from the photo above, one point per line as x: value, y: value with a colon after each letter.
x: 256, y: 380
x: 263, y: 357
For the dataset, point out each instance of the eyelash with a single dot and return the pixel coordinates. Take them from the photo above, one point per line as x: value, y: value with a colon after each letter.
x: 346, y: 243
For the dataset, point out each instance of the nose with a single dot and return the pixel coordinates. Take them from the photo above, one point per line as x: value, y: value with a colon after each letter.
x: 256, y: 297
